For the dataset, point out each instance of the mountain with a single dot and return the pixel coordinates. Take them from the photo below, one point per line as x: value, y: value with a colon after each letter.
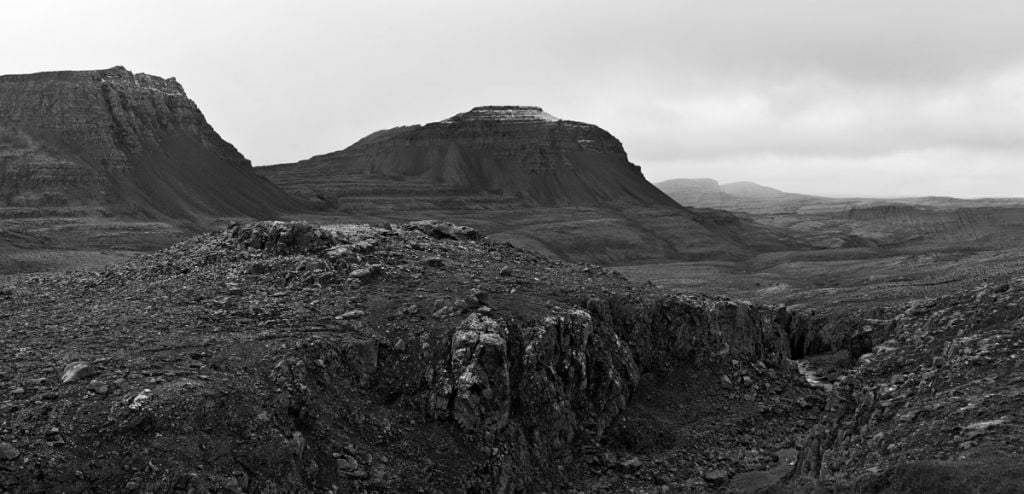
x: 486, y: 156
x: 747, y: 197
x: 752, y: 190
x: 694, y: 192
x: 117, y: 143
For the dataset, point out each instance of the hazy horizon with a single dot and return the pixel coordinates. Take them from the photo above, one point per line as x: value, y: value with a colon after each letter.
x: 876, y: 98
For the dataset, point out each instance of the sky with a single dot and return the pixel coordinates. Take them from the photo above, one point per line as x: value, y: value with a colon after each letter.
x: 840, y: 98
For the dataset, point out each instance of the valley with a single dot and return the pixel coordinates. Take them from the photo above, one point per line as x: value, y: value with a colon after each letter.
x: 498, y: 301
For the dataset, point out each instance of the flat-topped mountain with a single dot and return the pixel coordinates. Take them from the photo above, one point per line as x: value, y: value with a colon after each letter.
x: 121, y: 143
x: 519, y: 174
x: 489, y: 154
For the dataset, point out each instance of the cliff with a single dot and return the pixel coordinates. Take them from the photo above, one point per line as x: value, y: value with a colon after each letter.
x: 121, y: 143
x: 516, y: 154
x: 934, y: 406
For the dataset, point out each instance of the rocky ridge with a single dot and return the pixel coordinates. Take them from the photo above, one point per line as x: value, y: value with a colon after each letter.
x: 286, y: 357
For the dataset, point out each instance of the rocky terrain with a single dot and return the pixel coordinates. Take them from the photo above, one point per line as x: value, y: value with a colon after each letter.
x: 935, y: 407
x: 285, y: 357
x: 281, y: 357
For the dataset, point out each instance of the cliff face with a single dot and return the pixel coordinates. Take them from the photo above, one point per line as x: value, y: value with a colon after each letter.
x: 935, y: 406
x: 123, y: 142
x: 513, y: 153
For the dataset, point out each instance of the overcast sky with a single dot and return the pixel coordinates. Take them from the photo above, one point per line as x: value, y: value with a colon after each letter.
x: 865, y: 97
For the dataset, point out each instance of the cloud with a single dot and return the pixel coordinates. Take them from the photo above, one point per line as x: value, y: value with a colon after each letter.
x: 813, y: 115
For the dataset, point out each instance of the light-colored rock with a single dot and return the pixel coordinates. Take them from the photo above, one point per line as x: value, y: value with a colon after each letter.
x: 77, y: 370
x: 8, y: 452
x: 716, y: 477
x: 479, y: 360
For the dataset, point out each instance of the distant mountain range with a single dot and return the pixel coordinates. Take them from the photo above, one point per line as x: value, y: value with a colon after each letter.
x: 736, y: 196
x: 851, y: 222
x: 749, y: 197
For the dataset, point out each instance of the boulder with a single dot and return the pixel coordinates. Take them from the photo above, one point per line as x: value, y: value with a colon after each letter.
x: 77, y: 370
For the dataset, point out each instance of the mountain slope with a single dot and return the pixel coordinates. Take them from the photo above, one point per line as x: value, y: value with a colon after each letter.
x: 123, y: 144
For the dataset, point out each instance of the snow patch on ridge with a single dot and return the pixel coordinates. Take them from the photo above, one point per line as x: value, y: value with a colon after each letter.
x: 513, y: 114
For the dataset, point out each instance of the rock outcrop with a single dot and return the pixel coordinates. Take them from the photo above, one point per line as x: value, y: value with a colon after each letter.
x: 121, y: 143
x: 933, y: 407
x: 290, y: 357
x: 516, y: 154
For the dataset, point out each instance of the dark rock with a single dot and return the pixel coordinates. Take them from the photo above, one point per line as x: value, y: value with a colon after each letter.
x: 444, y: 230
x: 361, y: 354
x: 98, y: 387
x: 282, y: 238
